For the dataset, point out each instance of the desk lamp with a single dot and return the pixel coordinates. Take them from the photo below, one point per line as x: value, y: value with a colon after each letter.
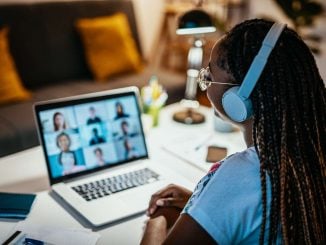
x: 196, y: 23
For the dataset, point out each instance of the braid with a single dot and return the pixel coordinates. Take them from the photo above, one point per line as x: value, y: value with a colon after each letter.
x: 289, y: 103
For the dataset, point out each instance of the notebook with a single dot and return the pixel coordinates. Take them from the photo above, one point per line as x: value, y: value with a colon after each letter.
x: 96, y: 154
x: 15, y: 205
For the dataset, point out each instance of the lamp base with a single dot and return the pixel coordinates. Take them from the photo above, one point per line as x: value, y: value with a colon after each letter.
x: 189, y: 116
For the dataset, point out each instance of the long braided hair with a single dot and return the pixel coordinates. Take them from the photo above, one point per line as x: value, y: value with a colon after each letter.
x: 289, y: 103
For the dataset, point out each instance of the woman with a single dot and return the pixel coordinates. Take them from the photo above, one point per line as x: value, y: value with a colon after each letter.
x: 59, y: 122
x: 67, y: 158
x: 130, y: 151
x: 275, y: 191
x: 120, y: 113
x: 98, y: 152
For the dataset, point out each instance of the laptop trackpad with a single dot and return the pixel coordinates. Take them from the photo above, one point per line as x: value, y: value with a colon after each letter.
x: 103, y: 211
x: 140, y: 197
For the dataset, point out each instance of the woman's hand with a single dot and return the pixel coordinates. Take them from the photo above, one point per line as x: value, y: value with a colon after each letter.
x: 170, y: 196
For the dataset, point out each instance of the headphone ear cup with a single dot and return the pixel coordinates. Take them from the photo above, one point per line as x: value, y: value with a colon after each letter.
x: 236, y: 108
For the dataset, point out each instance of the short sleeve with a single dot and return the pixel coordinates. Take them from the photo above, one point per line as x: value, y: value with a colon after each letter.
x: 228, y: 207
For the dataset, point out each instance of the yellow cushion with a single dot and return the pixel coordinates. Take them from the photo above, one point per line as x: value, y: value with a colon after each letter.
x: 11, y: 88
x: 109, y: 46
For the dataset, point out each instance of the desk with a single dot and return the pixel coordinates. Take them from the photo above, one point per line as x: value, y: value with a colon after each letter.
x: 25, y: 172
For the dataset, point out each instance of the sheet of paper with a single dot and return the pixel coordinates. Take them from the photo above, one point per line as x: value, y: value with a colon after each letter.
x: 191, y: 148
x: 58, y: 235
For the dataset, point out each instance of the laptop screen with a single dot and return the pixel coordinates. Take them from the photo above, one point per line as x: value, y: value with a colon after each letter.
x: 85, y: 134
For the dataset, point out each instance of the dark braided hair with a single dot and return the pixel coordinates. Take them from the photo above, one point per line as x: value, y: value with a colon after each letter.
x: 289, y: 103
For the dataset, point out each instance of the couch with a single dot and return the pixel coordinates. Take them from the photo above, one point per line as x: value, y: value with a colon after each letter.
x: 49, y: 57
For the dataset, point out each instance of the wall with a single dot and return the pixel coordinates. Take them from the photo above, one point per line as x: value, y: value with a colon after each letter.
x: 149, y: 15
x: 269, y: 8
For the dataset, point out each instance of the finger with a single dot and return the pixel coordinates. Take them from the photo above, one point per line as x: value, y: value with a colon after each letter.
x: 165, y: 192
x: 171, y: 202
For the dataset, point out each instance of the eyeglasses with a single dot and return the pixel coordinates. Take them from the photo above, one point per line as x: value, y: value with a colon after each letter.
x: 204, y: 79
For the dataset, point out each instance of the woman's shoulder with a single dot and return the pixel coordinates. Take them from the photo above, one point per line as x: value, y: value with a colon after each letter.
x: 238, y: 170
x: 244, y: 161
x: 227, y: 201
x: 232, y: 172
x: 248, y: 155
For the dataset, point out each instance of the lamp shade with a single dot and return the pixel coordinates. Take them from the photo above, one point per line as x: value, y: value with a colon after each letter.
x: 195, y: 22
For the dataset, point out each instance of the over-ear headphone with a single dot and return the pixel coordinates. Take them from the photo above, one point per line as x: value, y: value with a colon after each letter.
x: 236, y: 102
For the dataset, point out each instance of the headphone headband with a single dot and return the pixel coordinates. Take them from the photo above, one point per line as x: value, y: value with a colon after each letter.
x: 260, y: 60
x: 236, y: 102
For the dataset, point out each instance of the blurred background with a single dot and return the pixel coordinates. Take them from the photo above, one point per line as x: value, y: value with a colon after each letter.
x: 59, y: 70
x: 157, y: 23
x: 164, y: 48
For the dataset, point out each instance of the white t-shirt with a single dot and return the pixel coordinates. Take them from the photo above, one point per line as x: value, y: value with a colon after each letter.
x: 227, y: 202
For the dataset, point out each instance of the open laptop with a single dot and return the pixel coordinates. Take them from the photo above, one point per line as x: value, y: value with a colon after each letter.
x: 96, y: 154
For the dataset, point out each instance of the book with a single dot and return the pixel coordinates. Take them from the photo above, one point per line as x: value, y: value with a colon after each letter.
x: 15, y: 205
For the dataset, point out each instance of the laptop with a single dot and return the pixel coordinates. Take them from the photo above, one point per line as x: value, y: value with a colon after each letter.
x: 96, y: 154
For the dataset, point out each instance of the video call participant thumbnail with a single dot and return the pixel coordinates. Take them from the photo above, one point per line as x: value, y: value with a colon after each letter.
x: 120, y: 113
x: 59, y: 122
x: 130, y: 150
x: 98, y: 152
x: 67, y: 158
x: 96, y: 138
x: 93, y: 118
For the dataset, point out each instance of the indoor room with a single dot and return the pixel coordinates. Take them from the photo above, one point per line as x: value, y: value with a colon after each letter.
x: 176, y: 121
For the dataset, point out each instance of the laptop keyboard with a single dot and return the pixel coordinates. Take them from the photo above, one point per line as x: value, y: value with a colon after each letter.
x: 104, y: 187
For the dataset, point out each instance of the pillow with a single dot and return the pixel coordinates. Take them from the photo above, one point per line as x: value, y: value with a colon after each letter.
x: 109, y: 46
x: 11, y: 88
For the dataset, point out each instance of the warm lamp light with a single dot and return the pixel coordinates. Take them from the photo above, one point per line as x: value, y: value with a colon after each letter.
x: 195, y: 22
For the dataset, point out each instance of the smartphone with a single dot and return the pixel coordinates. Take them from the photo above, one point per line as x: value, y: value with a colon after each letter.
x: 215, y: 153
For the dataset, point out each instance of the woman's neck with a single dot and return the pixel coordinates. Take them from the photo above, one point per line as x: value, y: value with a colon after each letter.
x: 247, y: 132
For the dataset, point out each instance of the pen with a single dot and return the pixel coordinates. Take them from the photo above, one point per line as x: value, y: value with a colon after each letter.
x: 14, y: 237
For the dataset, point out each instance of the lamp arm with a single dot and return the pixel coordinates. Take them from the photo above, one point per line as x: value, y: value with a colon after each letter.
x: 195, y: 59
